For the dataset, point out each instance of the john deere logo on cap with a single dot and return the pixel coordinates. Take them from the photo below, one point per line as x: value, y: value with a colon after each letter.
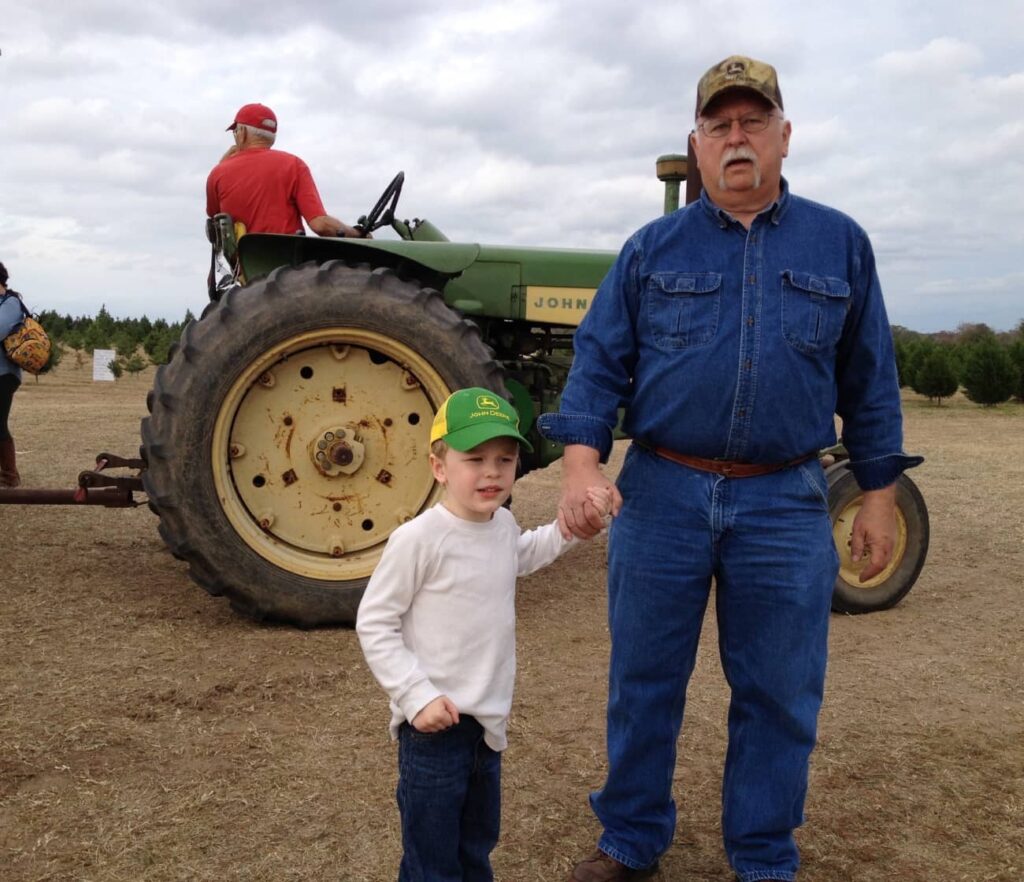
x: 735, y: 68
x: 486, y: 402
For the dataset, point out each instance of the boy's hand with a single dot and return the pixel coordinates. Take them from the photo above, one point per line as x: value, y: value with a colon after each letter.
x: 437, y: 716
x: 601, y: 499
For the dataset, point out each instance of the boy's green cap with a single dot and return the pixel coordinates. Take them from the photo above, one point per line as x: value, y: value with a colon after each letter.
x: 738, y: 72
x: 471, y: 416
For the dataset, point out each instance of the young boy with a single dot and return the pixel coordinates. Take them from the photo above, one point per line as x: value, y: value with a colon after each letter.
x: 437, y: 626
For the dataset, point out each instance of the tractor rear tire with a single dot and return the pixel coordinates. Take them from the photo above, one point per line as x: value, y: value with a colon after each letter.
x: 850, y: 595
x: 288, y: 433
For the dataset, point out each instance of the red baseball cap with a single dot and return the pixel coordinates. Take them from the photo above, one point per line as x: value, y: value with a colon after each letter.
x: 259, y: 116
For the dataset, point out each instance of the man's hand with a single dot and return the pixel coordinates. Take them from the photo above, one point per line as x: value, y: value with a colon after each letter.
x: 874, y: 530
x: 437, y: 716
x: 326, y: 225
x: 577, y: 514
x: 354, y: 232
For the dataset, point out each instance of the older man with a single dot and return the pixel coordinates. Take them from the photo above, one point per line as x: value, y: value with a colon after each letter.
x: 731, y: 332
x: 267, y: 190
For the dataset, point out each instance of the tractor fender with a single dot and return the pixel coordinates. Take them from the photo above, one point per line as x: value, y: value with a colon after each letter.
x: 432, y: 262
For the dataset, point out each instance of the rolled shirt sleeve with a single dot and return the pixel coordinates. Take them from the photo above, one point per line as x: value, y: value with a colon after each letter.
x: 868, y: 400
x: 600, y: 379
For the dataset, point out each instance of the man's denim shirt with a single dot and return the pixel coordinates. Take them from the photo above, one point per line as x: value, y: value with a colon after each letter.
x: 723, y: 342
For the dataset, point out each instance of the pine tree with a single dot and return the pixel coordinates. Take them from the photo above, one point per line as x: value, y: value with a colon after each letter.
x: 936, y: 377
x: 1016, y: 352
x: 903, y: 350
x: 988, y: 375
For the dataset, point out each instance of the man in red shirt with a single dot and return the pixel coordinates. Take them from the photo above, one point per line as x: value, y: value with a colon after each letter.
x: 269, y: 191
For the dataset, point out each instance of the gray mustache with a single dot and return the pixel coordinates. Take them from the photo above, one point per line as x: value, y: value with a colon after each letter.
x: 734, y: 153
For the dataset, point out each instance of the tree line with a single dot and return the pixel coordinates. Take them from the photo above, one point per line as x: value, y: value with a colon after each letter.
x: 987, y: 365
x: 137, y: 343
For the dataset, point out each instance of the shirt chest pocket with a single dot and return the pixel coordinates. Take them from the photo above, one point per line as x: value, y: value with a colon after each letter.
x: 683, y: 308
x: 814, y: 310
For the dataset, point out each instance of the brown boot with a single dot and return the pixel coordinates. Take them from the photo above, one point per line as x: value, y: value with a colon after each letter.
x: 600, y: 867
x: 9, y: 476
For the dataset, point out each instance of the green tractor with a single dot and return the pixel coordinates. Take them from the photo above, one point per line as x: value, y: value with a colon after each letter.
x: 287, y: 435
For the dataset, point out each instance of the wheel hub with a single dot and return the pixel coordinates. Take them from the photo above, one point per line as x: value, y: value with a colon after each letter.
x: 338, y: 451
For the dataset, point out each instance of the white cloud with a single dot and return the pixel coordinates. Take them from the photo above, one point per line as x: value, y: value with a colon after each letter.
x: 530, y: 123
x: 942, y: 57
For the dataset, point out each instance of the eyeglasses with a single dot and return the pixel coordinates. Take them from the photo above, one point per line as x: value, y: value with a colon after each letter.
x: 720, y: 126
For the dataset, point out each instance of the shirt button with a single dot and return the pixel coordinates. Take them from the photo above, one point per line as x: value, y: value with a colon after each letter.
x: 750, y: 321
x: 742, y: 412
x: 752, y: 279
x: 746, y: 365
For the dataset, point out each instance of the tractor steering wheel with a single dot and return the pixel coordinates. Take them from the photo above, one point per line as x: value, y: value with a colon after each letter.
x: 383, y: 213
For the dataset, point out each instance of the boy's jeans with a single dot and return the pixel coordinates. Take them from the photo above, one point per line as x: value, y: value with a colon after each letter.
x: 449, y: 798
x: 767, y: 541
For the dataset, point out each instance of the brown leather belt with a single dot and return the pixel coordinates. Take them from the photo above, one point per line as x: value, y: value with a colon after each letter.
x: 728, y: 468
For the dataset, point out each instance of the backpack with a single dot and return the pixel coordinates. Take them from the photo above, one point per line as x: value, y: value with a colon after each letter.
x: 27, y: 345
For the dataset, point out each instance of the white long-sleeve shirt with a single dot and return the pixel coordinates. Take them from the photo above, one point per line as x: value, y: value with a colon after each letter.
x: 438, y: 615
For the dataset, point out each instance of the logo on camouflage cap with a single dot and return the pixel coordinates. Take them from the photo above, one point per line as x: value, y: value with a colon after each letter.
x: 738, y: 72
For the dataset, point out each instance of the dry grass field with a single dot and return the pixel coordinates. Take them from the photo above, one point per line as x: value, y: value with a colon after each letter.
x: 148, y: 733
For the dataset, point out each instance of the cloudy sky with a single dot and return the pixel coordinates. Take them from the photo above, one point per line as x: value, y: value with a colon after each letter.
x: 534, y: 123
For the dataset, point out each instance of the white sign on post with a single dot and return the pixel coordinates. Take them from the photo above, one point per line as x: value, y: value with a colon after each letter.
x: 101, y: 359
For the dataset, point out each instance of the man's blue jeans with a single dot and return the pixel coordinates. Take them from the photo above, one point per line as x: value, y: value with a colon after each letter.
x: 767, y: 542
x: 449, y: 798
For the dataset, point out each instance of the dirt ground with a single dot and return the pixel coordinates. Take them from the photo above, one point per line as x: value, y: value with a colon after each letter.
x: 149, y: 733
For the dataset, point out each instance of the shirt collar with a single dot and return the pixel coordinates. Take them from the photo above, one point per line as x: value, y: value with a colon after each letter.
x: 781, y: 205
x: 775, y: 211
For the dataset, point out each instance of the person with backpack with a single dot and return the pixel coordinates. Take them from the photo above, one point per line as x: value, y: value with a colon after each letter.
x: 11, y: 315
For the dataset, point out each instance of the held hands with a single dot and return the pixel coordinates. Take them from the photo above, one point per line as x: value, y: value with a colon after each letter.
x: 587, y: 495
x: 874, y: 531
x: 601, y: 499
x: 437, y: 716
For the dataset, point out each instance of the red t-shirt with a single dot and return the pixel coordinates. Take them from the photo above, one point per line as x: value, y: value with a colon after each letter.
x: 270, y: 191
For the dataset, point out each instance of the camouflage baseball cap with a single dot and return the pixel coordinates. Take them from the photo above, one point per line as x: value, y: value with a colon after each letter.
x: 738, y: 72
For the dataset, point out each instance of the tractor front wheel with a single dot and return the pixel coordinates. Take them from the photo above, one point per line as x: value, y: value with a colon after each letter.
x: 288, y: 434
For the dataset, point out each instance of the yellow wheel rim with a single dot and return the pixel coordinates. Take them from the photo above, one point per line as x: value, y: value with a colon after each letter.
x: 320, y: 450
x: 842, y: 532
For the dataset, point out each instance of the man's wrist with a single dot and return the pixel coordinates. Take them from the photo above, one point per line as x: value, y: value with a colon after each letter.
x: 883, y: 497
x: 580, y: 457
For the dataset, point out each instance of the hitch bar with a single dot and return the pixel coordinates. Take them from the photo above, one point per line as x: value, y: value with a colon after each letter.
x: 94, y: 487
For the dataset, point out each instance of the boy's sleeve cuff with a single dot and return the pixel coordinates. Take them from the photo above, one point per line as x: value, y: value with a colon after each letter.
x: 416, y: 698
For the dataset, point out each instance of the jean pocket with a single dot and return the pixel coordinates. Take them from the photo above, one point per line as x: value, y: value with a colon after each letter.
x: 814, y: 310
x: 683, y: 308
x: 814, y: 477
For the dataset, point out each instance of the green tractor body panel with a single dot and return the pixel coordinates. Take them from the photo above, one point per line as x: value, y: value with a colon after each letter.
x: 545, y: 285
